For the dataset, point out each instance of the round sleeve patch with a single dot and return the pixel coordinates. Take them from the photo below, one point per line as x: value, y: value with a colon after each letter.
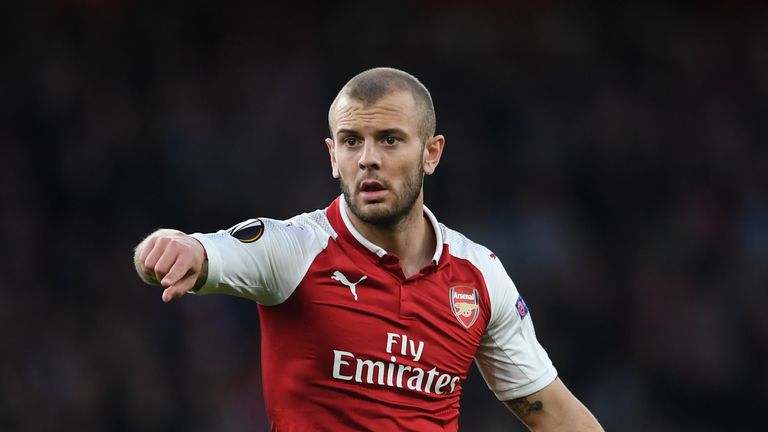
x: 248, y: 232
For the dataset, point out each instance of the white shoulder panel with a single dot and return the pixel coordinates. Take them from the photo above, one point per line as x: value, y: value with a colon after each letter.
x: 266, y: 269
x: 509, y: 358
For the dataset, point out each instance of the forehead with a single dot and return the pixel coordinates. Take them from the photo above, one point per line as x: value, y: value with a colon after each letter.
x: 394, y: 110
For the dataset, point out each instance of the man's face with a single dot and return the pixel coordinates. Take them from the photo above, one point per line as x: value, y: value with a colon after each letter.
x: 378, y: 157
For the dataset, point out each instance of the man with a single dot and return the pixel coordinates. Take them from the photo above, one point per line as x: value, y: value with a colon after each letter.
x: 371, y: 311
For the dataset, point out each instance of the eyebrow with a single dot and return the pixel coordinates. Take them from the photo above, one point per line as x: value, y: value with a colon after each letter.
x: 346, y: 132
x: 392, y: 131
x: 389, y: 131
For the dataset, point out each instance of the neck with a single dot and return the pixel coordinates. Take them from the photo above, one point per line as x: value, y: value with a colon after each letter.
x: 412, y: 239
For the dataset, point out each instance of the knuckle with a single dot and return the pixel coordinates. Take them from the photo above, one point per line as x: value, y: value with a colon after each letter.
x: 147, y: 247
x: 175, y: 245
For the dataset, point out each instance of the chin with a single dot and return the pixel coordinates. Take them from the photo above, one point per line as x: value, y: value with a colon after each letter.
x: 378, y: 213
x: 370, y: 210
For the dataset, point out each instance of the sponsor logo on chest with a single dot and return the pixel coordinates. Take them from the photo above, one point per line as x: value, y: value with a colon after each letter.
x: 400, y: 349
x: 465, y: 305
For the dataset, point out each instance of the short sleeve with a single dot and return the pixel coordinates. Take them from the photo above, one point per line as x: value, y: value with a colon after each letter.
x: 510, y: 358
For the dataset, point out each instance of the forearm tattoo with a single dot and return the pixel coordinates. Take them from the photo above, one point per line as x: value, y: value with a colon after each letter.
x: 521, y: 407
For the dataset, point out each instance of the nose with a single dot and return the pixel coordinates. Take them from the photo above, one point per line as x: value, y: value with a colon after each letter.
x: 370, y: 158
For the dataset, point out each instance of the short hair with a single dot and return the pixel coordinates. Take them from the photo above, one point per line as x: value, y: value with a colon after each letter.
x: 370, y: 86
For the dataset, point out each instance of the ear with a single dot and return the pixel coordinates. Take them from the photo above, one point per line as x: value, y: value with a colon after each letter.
x: 433, y: 149
x: 334, y: 167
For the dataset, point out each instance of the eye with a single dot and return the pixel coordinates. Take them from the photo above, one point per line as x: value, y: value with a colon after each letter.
x: 350, y: 141
x: 390, y: 140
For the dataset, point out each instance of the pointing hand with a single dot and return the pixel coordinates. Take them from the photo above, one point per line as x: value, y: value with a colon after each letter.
x: 173, y: 260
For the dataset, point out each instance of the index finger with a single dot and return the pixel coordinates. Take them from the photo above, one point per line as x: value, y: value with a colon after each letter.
x: 181, y: 268
x: 180, y: 288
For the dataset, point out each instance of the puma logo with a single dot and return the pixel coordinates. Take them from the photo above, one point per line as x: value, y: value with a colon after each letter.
x: 339, y: 276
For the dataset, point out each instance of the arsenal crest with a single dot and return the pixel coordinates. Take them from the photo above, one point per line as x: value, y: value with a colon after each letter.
x: 465, y: 304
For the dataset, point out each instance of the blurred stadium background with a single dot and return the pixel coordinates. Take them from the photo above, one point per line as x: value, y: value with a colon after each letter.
x: 614, y: 157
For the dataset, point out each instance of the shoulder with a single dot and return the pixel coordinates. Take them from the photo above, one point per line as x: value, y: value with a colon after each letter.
x: 459, y: 246
x: 315, y: 223
x: 303, y: 227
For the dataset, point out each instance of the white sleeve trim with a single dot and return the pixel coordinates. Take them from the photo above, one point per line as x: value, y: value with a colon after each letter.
x: 214, y: 264
x: 530, y: 388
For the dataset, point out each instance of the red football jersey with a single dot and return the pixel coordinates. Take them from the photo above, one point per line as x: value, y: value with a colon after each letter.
x: 349, y: 343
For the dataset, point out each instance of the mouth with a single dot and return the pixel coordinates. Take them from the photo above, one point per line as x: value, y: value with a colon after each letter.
x: 372, y: 190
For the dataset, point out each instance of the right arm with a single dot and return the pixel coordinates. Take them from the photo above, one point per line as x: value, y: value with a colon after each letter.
x: 173, y: 260
x: 260, y: 259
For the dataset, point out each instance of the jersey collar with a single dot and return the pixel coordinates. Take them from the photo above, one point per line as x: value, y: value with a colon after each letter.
x: 341, y: 205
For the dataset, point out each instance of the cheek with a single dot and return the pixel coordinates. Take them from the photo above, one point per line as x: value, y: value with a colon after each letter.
x: 346, y: 169
x: 412, y: 169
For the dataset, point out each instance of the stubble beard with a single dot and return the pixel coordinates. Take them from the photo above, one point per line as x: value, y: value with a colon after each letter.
x: 392, y: 216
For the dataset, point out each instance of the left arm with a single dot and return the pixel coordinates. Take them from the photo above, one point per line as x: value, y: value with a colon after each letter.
x: 553, y: 409
x: 516, y: 367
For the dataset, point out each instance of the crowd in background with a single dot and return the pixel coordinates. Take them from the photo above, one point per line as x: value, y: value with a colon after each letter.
x: 614, y: 158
